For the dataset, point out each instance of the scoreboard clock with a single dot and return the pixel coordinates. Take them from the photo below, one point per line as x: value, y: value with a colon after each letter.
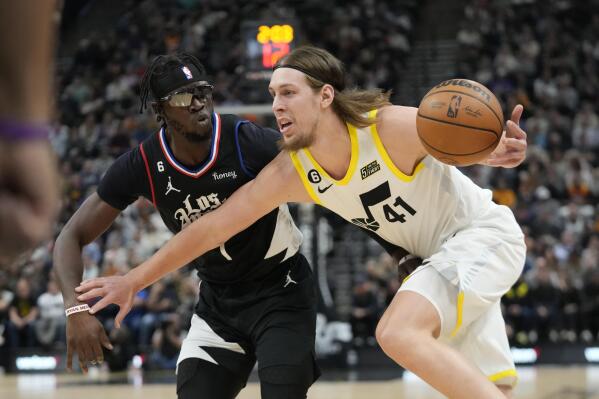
x: 265, y: 43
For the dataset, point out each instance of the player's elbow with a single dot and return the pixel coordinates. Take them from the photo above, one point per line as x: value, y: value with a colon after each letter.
x: 69, y: 237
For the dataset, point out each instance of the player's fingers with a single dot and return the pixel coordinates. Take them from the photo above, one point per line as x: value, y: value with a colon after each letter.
x: 87, y: 285
x: 517, y: 114
x: 69, y: 357
x: 105, y: 340
x: 93, y: 293
x: 87, y: 352
x: 121, y: 316
x: 83, y: 367
x: 514, y: 131
x: 507, y: 162
x: 101, y: 304
x: 505, y: 157
x: 494, y: 161
x: 492, y: 155
x: 515, y: 144
x: 84, y: 356
x: 98, y: 355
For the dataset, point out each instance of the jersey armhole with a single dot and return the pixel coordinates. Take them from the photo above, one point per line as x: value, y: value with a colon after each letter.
x: 239, y: 154
x: 143, y: 155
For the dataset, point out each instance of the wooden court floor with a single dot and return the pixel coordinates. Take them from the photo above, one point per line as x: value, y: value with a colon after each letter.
x: 535, y: 383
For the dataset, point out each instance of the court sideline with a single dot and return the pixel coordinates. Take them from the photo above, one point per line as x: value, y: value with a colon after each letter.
x: 535, y: 383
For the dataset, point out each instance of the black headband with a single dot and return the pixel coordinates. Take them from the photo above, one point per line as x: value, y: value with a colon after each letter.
x: 298, y: 68
x: 177, y: 76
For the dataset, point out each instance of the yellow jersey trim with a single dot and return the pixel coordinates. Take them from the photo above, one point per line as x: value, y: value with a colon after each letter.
x: 460, y: 309
x: 302, y: 174
x: 503, y: 374
x: 383, y: 153
x: 353, y: 162
x: 408, y: 277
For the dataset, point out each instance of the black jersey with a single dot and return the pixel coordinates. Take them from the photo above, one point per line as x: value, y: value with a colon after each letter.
x: 239, y: 150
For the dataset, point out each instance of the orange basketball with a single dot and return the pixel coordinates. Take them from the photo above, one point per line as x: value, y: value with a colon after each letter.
x: 459, y: 122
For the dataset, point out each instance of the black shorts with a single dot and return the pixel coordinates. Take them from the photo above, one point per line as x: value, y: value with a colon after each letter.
x: 272, y: 321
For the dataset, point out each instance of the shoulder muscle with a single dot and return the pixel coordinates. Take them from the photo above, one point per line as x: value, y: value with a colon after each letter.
x: 397, y: 128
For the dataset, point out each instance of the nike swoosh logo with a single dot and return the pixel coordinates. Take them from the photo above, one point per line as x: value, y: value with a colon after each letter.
x: 322, y: 190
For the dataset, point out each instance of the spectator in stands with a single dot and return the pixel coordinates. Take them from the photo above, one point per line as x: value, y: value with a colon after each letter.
x: 517, y: 311
x: 590, y: 255
x: 133, y: 321
x: 22, y: 313
x: 503, y: 194
x: 590, y: 306
x: 6, y: 296
x: 570, y: 306
x: 365, y: 311
x: 166, y: 343
x: 545, y: 299
x: 162, y: 301
x: 50, y: 326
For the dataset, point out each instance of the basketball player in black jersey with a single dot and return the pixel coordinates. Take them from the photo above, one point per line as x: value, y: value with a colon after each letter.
x: 257, y: 297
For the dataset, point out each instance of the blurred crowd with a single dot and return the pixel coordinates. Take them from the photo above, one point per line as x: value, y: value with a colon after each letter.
x: 544, y: 56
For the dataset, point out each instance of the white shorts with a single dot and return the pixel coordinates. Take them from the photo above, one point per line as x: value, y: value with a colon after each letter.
x: 465, y: 281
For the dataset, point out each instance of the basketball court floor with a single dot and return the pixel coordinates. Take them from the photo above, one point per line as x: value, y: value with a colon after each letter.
x: 535, y: 383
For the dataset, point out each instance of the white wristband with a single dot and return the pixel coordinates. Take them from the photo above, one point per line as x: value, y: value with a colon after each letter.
x: 77, y: 309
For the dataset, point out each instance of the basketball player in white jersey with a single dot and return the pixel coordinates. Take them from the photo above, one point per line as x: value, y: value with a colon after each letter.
x: 353, y: 152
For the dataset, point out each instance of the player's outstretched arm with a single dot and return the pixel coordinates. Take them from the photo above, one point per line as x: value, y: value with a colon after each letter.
x: 276, y: 184
x: 511, y: 150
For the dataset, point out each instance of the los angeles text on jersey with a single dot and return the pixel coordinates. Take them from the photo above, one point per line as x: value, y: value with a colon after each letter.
x: 205, y: 203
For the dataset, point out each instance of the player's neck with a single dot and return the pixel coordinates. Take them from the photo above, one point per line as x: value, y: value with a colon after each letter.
x: 332, y: 133
x: 185, y: 151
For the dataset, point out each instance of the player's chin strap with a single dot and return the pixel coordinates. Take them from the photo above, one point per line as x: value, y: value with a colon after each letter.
x: 406, y: 263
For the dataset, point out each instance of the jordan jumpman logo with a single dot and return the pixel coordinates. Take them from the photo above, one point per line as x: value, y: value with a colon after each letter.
x: 289, y: 280
x: 170, y: 187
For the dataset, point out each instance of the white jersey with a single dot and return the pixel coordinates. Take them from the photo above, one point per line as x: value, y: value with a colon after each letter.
x: 417, y: 212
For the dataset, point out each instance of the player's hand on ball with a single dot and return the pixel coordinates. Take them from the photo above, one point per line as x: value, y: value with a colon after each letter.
x: 511, y: 150
x: 114, y: 289
x: 85, y: 337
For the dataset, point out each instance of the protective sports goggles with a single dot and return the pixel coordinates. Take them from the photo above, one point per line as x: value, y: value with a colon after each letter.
x: 184, y: 97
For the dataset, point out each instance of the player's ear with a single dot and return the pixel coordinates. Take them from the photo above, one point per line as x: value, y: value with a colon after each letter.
x: 327, y: 95
x: 158, y: 111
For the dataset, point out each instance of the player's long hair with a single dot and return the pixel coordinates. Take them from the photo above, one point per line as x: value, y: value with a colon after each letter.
x: 320, y: 68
